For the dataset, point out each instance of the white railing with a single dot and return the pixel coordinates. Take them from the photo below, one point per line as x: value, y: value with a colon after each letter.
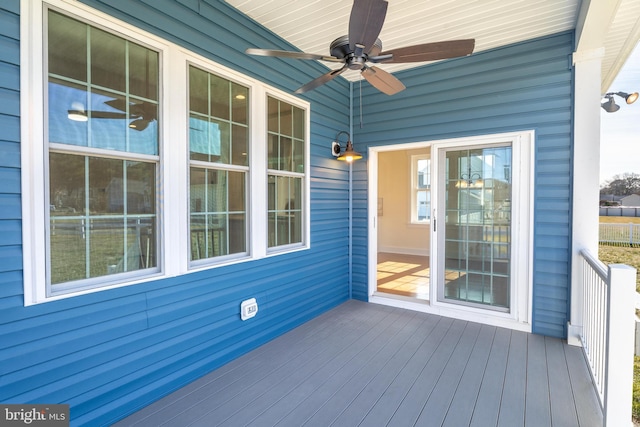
x: 607, y: 333
x: 620, y: 234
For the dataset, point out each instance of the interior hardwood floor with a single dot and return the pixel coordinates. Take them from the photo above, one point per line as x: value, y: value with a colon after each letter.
x: 406, y: 275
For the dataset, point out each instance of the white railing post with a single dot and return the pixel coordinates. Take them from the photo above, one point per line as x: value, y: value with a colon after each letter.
x: 620, y: 345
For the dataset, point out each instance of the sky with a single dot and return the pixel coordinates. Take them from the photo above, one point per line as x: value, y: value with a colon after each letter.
x: 620, y: 131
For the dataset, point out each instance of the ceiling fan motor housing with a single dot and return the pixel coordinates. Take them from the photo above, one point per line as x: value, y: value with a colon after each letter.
x: 340, y: 47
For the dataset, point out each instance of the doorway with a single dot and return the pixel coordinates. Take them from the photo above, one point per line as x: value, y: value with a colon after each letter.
x: 403, y: 212
x: 450, y: 227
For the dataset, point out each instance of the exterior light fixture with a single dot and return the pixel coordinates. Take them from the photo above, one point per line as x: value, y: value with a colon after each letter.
x: 610, y: 105
x: 349, y: 154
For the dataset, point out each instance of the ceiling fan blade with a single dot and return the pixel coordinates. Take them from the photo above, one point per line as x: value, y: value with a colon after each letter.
x: 288, y: 54
x: 427, y: 52
x: 383, y: 81
x: 321, y: 80
x: 108, y: 115
x: 139, y: 124
x: 117, y: 103
x: 365, y: 23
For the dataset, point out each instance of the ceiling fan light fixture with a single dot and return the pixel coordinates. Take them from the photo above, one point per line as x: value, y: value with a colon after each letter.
x: 77, y: 115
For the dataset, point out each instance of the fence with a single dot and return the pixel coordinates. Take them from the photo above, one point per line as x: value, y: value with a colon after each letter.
x: 608, y: 302
x: 619, y: 211
x: 620, y: 234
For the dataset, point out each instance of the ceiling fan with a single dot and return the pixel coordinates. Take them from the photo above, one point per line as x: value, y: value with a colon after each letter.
x: 141, y: 112
x: 362, y: 46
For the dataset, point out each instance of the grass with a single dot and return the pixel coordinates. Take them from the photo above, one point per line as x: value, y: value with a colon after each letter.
x: 619, y: 219
x: 621, y: 255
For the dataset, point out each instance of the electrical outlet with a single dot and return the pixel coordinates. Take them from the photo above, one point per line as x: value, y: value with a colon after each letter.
x: 248, y: 309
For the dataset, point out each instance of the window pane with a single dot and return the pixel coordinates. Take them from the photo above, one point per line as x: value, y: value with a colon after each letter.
x: 67, y: 47
x: 107, y: 184
x: 143, y: 72
x: 108, y: 120
x: 219, y: 97
x: 240, y: 105
x: 198, y: 91
x: 214, y: 231
x: 273, y: 151
x: 110, y: 223
x: 273, y: 116
x: 143, y: 127
x: 66, y: 185
x: 237, y: 237
x: 140, y: 183
x: 424, y: 173
x: 286, y: 151
x: 286, y: 118
x: 103, y: 108
x: 298, y: 123
x: 216, y: 191
x: 108, y: 60
x: 237, y: 196
x: 239, y: 146
x: 210, y: 126
x: 285, y: 210
x: 68, y: 121
x: 298, y: 156
x: 68, y: 244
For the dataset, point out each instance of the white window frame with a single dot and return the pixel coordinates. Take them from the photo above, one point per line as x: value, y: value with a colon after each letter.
x: 413, y: 209
x: 173, y: 211
x: 306, y: 181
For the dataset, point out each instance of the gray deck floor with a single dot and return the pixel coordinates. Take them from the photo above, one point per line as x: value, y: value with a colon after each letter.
x: 372, y: 365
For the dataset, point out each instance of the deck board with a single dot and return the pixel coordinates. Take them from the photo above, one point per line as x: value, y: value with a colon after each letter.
x: 369, y: 365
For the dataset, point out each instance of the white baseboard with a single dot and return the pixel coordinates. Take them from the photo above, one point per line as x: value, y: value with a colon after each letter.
x: 404, y: 251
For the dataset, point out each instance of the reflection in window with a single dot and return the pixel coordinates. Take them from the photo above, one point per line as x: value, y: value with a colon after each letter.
x: 286, y: 144
x: 218, y: 146
x: 102, y: 96
x: 102, y: 216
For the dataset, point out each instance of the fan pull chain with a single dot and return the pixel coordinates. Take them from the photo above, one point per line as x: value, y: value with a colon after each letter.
x: 360, y: 95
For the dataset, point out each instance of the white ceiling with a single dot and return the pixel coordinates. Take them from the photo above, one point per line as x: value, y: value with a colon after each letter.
x: 311, y: 25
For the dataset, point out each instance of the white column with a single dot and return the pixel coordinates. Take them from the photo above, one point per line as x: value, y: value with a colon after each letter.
x: 586, y: 166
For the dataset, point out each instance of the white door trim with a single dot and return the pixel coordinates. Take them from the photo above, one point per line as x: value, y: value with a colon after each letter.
x: 519, y: 318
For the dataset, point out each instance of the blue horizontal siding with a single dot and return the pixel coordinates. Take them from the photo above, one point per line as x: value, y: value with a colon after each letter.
x: 109, y: 353
x: 520, y: 87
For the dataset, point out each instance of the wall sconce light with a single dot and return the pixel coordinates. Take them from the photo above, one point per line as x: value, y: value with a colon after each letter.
x: 349, y: 154
x: 610, y: 105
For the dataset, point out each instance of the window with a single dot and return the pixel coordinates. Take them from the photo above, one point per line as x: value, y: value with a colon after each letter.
x: 145, y: 159
x: 103, y: 154
x: 219, y: 165
x: 286, y: 172
x: 420, y: 189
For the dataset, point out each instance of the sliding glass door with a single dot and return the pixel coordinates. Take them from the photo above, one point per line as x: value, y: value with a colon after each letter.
x: 475, y: 193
